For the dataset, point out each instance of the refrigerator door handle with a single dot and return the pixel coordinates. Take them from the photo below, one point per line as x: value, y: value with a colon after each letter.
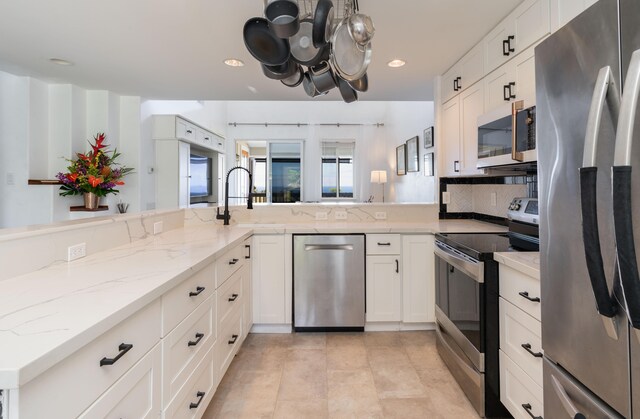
x: 605, y: 88
x: 622, y: 193
x: 565, y: 400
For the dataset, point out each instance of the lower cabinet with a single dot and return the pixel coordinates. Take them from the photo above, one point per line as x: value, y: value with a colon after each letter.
x: 268, y: 279
x: 418, y: 279
x: 384, y: 288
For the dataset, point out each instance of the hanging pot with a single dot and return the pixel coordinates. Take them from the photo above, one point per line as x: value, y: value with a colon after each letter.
x: 280, y: 72
x: 296, y: 78
x: 322, y: 77
x: 362, y: 84
x: 349, y: 59
x: 309, y: 87
x: 283, y: 17
x: 348, y: 93
x: 361, y: 28
x: 263, y: 45
x: 323, y: 22
x: 302, y: 49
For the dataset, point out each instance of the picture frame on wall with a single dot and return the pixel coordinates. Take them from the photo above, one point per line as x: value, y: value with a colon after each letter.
x: 413, y: 164
x: 428, y: 164
x: 428, y: 137
x: 401, y: 160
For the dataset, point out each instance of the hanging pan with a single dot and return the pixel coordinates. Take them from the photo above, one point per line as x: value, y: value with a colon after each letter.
x: 296, y: 78
x: 323, y: 22
x: 348, y: 93
x: 349, y: 59
x: 280, y: 72
x: 322, y: 77
x: 263, y: 44
x: 302, y: 49
x: 283, y: 17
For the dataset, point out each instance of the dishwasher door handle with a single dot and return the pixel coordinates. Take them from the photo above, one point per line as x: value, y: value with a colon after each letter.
x: 328, y: 247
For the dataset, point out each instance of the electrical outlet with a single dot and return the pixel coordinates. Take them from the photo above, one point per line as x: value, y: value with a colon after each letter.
x: 76, y: 251
x: 446, y: 197
x: 157, y: 227
x: 340, y: 215
x: 381, y: 215
x: 494, y: 199
x: 320, y: 216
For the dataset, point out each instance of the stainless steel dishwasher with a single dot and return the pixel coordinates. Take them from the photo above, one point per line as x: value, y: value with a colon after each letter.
x: 328, y: 282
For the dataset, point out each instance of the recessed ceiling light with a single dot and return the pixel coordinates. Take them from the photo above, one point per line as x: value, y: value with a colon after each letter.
x: 60, y: 61
x: 396, y: 63
x: 234, y: 62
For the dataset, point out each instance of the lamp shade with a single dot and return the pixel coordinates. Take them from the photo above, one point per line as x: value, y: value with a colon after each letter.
x: 378, y: 176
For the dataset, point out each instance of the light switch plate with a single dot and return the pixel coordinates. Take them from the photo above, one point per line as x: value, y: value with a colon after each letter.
x: 340, y: 215
x: 446, y: 197
x: 157, y: 227
x: 320, y: 216
x: 381, y: 215
x: 76, y: 251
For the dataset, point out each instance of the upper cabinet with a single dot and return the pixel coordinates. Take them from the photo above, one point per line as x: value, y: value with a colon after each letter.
x: 514, y: 80
x: 174, y: 127
x: 463, y: 74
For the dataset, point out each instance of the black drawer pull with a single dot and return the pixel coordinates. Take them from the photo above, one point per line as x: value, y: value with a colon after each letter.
x: 206, y: 138
x: 384, y: 244
x: 233, y: 297
x: 196, y: 292
x: 527, y: 347
x: 233, y: 261
x: 248, y: 246
x: 525, y: 294
x: 233, y: 339
x: 189, y: 131
x: 123, y: 348
x: 199, y: 337
x: 505, y: 48
x: 200, y: 396
x: 527, y: 408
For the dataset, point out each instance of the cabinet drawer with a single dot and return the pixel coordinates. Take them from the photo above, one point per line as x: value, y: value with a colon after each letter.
x: 185, y: 297
x: 228, y: 263
x: 228, y: 343
x: 193, y: 398
x: 520, y: 290
x: 383, y: 244
x: 73, y: 384
x: 204, y: 137
x: 230, y: 295
x: 517, y: 328
x: 518, y: 391
x: 185, y: 130
x: 186, y: 345
x: 135, y: 395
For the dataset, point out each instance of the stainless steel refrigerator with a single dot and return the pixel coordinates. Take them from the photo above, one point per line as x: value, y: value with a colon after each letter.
x: 587, y: 78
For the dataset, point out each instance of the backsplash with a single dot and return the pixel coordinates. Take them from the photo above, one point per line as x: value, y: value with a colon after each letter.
x: 473, y: 195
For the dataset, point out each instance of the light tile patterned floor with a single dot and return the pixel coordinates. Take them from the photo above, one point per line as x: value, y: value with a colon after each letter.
x: 339, y: 375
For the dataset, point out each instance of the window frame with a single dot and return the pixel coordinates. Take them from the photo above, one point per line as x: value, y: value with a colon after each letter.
x: 336, y: 160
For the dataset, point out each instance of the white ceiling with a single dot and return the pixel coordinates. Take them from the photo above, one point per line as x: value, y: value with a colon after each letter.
x: 168, y: 49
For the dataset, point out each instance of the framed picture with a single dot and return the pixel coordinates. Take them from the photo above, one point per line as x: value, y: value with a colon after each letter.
x: 428, y: 164
x: 428, y: 137
x: 401, y: 160
x: 413, y: 165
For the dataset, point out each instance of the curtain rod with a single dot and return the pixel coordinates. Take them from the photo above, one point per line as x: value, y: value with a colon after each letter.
x: 300, y: 124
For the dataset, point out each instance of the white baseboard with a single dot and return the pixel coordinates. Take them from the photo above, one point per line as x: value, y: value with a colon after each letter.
x: 271, y: 328
x: 397, y: 326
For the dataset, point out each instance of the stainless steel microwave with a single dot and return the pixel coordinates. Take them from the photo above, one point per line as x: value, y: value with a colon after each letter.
x: 507, y: 136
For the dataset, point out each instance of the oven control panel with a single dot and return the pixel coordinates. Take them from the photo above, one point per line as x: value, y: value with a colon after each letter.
x: 524, y: 210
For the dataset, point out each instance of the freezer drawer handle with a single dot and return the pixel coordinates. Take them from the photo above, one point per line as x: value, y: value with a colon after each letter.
x: 200, y: 396
x: 569, y: 407
x: 525, y: 294
x: 233, y: 339
x: 123, y: 348
x: 233, y: 297
x: 527, y: 347
x: 527, y: 408
x: 196, y: 292
x: 199, y: 337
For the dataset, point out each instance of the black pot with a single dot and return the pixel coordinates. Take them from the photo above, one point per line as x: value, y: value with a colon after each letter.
x: 323, y: 22
x: 295, y: 79
x: 263, y: 45
x: 283, y: 18
x: 280, y: 72
x: 322, y: 77
x: 309, y: 87
x: 348, y: 93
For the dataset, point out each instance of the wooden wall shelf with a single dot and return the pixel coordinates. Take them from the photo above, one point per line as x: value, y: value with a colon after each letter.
x: 81, y: 208
x: 44, y: 182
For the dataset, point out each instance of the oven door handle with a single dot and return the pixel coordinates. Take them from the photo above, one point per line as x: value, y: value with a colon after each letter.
x: 473, y: 269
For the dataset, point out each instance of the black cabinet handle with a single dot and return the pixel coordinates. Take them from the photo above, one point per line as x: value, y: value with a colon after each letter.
x: 200, y: 396
x: 456, y: 166
x: 199, y: 337
x: 459, y: 79
x: 248, y: 246
x: 527, y: 408
x: 525, y: 294
x: 233, y: 261
x: 511, y: 86
x: 123, y: 348
x: 451, y: 269
x: 397, y: 266
x: 233, y: 297
x: 455, y: 85
x: 233, y: 339
x: 196, y: 292
x: 509, y: 39
x: 505, y: 47
x: 189, y: 131
x: 527, y: 347
x: 384, y: 244
x: 206, y: 138
x: 506, y: 93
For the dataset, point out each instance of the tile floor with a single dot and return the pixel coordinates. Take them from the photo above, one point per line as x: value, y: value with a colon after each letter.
x: 339, y: 375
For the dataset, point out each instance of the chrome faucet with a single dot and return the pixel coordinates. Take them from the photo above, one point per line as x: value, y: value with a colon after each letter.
x: 226, y: 216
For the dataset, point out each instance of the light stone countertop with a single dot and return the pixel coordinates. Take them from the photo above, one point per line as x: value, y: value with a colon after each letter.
x: 526, y: 262
x: 48, y: 314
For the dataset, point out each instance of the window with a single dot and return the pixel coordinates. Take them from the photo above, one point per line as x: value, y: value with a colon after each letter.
x: 337, y: 170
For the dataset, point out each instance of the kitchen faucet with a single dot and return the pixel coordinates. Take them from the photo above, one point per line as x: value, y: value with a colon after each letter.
x: 226, y: 216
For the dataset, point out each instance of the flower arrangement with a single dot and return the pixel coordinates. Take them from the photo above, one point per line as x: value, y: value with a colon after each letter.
x: 94, y: 172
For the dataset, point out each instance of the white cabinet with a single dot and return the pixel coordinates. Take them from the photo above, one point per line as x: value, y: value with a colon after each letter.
x: 172, y: 174
x: 463, y: 74
x: 384, y: 278
x: 175, y: 127
x: 450, y: 138
x: 514, y: 80
x: 246, y: 288
x: 563, y: 11
x: 268, y: 279
x: 418, y: 279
